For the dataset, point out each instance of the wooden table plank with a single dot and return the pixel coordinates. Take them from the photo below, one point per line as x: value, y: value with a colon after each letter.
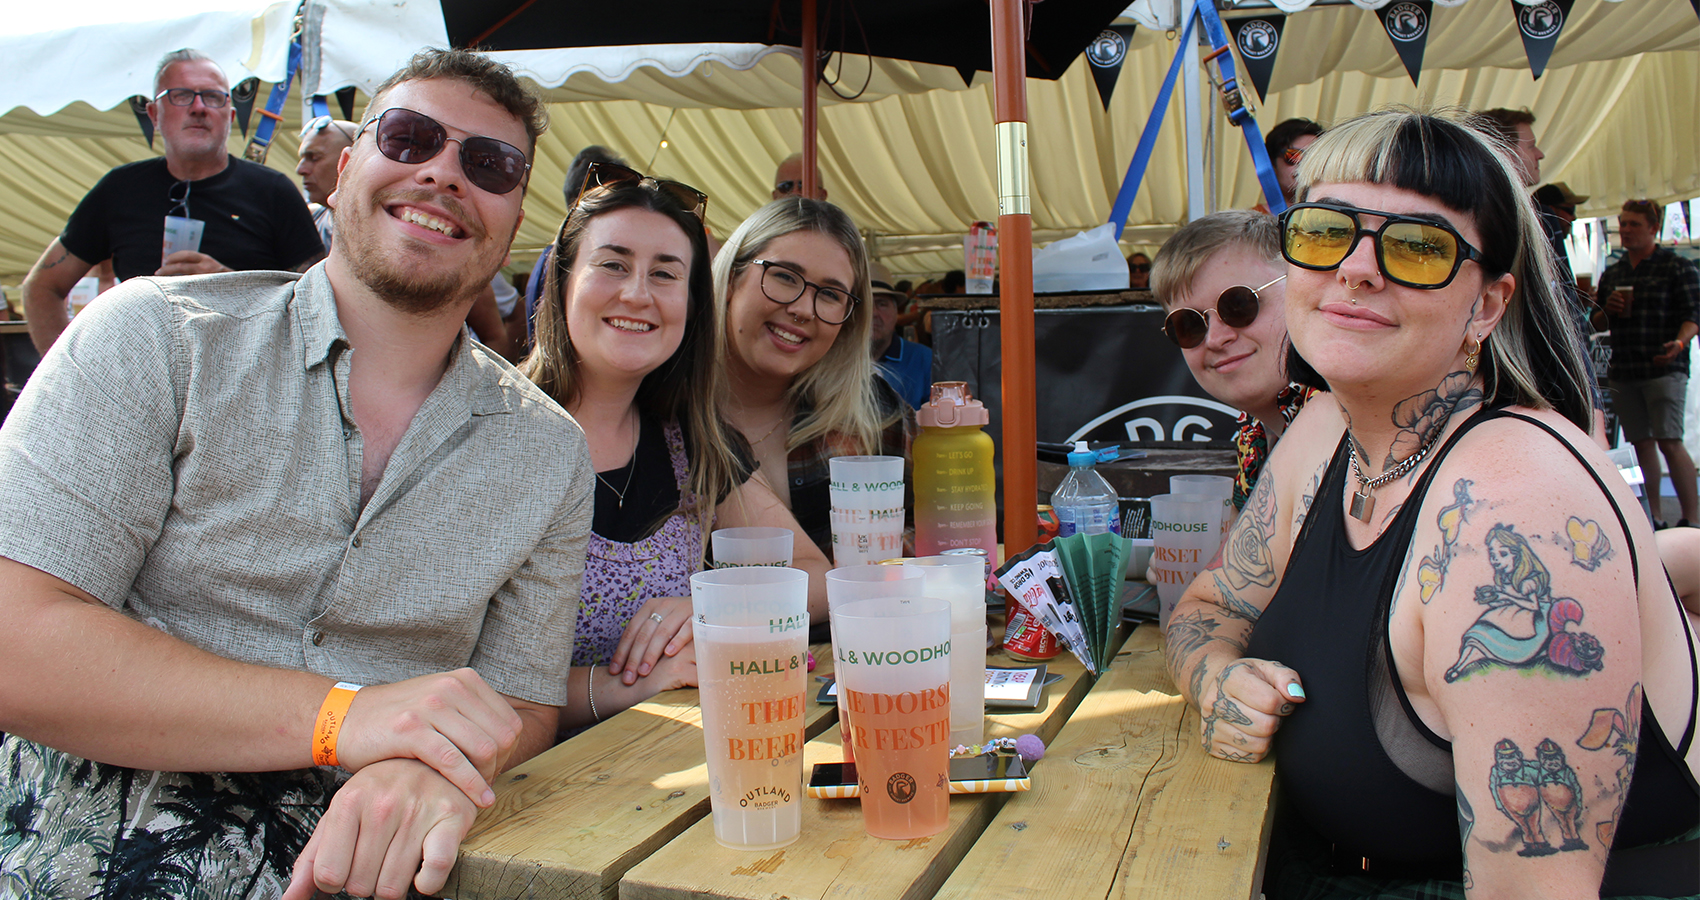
x: 835, y: 857
x: 571, y: 821
x: 1127, y: 804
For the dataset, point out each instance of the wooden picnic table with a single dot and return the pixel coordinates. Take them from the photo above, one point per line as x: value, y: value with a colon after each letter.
x: 1125, y: 803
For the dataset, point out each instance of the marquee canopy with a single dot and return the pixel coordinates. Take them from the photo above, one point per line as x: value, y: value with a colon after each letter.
x: 911, y: 157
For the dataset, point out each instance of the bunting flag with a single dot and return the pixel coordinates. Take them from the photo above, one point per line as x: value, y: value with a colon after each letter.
x: 345, y: 100
x: 1407, y: 22
x: 1540, y: 25
x: 242, y: 97
x: 1106, y: 54
x: 1258, y: 41
x: 139, y: 106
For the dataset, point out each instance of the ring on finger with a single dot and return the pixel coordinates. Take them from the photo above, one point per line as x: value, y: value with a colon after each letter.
x: 657, y: 617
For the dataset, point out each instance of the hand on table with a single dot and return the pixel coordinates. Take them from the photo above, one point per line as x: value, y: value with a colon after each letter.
x: 395, y: 822
x: 647, y: 639
x: 188, y: 262
x: 451, y: 721
x: 1243, y: 704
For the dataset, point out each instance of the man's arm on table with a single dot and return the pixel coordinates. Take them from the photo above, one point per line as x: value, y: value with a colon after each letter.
x: 45, y: 289
x: 88, y: 680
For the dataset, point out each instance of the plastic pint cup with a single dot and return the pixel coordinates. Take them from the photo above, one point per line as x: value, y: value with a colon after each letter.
x: 751, y: 627
x: 852, y: 583
x: 867, y: 508
x: 751, y: 547
x: 893, y: 659
x: 961, y: 581
x: 1186, y: 530
x: 1214, y: 485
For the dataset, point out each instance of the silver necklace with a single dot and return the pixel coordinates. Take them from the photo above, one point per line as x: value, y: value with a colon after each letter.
x: 631, y: 469
x: 1363, y: 504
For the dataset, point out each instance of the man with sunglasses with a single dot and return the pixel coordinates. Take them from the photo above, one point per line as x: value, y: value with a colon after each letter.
x: 239, y: 497
x: 1221, y: 280
x: 1286, y: 144
x: 788, y: 179
x: 246, y: 216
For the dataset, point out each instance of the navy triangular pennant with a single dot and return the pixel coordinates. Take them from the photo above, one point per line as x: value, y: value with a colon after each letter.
x: 345, y: 101
x: 1540, y: 26
x: 1106, y: 54
x: 242, y: 97
x: 1258, y: 40
x: 139, y: 106
x: 1407, y: 24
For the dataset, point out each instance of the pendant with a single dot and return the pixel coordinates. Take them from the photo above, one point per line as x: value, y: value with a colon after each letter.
x: 1363, y: 505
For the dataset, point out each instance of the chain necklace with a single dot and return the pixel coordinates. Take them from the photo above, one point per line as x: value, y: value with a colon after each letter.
x: 776, y: 423
x: 1363, y: 504
x: 631, y: 469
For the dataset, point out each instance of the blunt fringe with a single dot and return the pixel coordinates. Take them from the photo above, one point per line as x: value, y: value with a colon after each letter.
x: 838, y: 391
x: 1534, y: 356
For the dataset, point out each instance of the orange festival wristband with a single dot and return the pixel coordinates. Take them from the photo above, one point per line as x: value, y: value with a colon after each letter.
x: 331, y: 716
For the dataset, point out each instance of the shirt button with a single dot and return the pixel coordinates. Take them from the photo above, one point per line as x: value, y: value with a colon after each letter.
x: 318, y: 638
x: 797, y: 481
x: 357, y: 540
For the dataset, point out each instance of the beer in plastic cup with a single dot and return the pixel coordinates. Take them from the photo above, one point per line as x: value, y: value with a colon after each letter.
x: 867, y: 508
x: 751, y: 628
x: 756, y: 546
x: 1628, y: 292
x: 1186, y: 531
x: 893, y: 659
x: 961, y: 581
x: 852, y: 583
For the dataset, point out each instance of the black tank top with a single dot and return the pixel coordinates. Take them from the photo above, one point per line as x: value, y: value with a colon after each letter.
x: 1328, y: 621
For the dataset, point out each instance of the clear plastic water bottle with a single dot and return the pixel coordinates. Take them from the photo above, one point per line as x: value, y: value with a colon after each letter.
x: 1085, y: 503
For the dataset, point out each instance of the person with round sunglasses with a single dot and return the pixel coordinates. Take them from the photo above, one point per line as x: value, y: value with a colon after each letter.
x: 626, y: 343
x: 1434, y: 610
x: 1221, y: 280
x: 792, y: 287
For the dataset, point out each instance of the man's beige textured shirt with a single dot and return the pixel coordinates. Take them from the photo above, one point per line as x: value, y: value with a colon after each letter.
x: 187, y: 455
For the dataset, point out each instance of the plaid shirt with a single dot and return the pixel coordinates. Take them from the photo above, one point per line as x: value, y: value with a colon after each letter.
x: 1667, y: 294
x: 807, y: 465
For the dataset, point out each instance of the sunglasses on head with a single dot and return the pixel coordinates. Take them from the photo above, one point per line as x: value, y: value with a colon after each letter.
x: 412, y: 138
x: 1415, y: 252
x: 1237, y: 307
x: 319, y: 124
x: 606, y: 174
x: 186, y: 97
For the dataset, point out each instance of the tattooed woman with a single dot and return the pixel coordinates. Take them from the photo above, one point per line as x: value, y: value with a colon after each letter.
x: 1419, y: 294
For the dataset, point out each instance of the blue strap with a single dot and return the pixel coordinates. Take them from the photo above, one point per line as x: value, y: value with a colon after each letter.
x: 1148, y: 138
x: 320, y: 106
x: 273, y: 113
x: 1272, y: 196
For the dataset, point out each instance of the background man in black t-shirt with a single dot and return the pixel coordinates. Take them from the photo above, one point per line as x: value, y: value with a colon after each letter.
x: 251, y: 217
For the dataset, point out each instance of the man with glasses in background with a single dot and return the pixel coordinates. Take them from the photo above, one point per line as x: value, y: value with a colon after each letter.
x: 237, y: 498
x: 322, y: 143
x: 228, y: 214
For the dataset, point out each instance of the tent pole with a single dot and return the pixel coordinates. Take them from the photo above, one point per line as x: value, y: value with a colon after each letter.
x: 811, y: 100
x: 1015, y: 290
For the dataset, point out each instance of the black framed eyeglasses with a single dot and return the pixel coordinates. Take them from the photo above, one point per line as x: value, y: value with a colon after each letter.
x: 785, y: 286
x: 186, y: 97
x: 412, y: 138
x: 1416, y: 252
x: 1237, y: 307
x: 607, y: 174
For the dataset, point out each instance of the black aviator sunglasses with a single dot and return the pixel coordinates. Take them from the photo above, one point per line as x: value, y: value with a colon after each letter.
x: 413, y: 138
x: 607, y: 174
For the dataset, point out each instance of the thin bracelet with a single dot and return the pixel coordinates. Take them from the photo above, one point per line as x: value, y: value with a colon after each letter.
x: 590, y: 693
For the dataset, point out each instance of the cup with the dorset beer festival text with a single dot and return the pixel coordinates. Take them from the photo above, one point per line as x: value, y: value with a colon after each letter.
x: 753, y: 546
x: 751, y: 628
x: 867, y: 508
x: 852, y: 583
x: 1186, y: 530
x: 961, y: 581
x: 892, y: 657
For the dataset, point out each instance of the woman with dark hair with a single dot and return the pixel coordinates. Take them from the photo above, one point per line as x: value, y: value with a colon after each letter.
x: 1497, y: 658
x: 626, y: 339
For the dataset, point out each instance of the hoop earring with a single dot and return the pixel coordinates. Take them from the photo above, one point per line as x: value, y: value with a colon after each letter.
x: 1474, y: 357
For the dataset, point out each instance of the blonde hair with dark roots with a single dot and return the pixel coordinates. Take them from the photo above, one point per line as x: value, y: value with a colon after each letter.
x: 1534, y: 357
x: 687, y: 386
x: 839, y: 389
x: 1187, y: 250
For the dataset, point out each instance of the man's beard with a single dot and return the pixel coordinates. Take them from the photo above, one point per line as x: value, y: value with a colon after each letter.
x: 392, y: 278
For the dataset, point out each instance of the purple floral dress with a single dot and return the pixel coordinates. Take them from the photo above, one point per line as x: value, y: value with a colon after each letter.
x: 618, y: 577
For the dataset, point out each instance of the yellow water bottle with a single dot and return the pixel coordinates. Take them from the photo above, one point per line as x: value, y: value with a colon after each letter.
x: 955, y: 485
